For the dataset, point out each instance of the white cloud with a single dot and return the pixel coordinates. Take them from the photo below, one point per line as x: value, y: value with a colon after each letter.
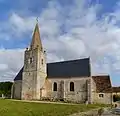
x: 21, y: 25
x: 3, y: 67
x: 11, y: 60
x: 74, y: 31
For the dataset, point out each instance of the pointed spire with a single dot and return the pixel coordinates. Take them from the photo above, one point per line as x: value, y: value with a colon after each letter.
x: 36, y: 41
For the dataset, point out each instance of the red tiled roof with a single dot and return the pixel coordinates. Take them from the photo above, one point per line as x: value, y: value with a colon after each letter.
x: 103, y: 83
x: 115, y: 89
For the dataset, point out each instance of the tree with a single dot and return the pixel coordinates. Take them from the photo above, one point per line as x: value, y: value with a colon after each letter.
x: 5, y: 88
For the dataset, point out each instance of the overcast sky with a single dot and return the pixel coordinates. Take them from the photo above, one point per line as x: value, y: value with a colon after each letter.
x: 69, y: 29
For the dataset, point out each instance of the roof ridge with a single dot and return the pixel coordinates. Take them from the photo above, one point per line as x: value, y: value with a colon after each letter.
x: 100, y: 75
x: 69, y: 60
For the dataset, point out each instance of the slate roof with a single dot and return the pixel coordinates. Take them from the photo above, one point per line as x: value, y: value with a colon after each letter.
x: 72, y: 68
x: 103, y: 83
x: 19, y: 75
x: 65, y: 69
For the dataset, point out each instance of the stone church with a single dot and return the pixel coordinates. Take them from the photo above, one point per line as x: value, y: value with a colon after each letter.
x: 67, y: 80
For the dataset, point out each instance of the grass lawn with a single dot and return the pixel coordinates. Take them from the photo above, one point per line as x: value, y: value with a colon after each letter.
x: 18, y: 108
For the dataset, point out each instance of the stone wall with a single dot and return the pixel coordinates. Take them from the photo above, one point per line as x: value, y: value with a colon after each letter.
x: 29, y: 85
x: 80, y: 90
x: 80, y: 93
x: 16, y: 89
x: 106, y: 99
x: 34, y: 74
x: 46, y: 90
x: 63, y: 89
x: 93, y: 91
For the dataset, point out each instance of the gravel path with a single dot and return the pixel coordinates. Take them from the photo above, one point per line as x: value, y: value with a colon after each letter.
x: 94, y: 113
x: 108, y: 113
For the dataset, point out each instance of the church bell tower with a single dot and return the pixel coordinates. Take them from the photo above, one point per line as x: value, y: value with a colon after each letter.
x: 34, y: 72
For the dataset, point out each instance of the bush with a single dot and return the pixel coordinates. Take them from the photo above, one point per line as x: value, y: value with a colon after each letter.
x: 5, y: 88
x: 116, y: 98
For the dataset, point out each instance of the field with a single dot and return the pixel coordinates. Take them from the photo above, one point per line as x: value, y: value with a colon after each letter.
x: 18, y: 108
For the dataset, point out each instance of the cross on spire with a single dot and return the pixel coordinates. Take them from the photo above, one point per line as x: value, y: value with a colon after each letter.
x: 37, y: 19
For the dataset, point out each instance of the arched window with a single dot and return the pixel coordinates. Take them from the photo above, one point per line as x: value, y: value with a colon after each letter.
x: 31, y: 60
x: 71, y: 86
x: 42, y: 61
x: 55, y: 86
